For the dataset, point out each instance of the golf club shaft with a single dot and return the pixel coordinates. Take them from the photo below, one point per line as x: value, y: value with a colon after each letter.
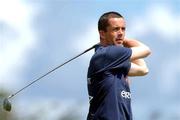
x: 12, y: 95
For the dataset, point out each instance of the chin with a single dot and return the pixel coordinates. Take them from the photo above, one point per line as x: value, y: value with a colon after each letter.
x: 119, y: 43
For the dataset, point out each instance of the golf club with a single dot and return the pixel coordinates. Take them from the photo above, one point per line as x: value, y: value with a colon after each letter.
x: 7, y: 104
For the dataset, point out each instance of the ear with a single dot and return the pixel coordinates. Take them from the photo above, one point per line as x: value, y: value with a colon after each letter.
x: 102, y: 34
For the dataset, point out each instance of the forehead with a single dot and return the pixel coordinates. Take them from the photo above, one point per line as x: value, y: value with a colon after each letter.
x: 114, y: 22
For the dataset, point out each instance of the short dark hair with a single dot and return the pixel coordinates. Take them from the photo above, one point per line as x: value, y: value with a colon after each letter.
x: 103, y: 20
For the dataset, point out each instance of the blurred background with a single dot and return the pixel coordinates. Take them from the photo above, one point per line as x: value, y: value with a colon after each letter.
x: 38, y: 35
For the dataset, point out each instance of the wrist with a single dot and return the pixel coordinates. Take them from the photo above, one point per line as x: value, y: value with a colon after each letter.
x: 125, y: 43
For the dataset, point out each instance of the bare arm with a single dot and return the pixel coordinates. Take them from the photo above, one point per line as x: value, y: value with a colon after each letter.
x: 139, y: 51
x: 138, y: 68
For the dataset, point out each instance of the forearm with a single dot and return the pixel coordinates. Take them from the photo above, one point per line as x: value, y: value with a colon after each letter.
x: 139, y: 50
x: 139, y: 62
x: 138, y: 68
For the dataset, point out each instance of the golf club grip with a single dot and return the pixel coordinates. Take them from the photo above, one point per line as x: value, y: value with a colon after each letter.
x: 52, y: 71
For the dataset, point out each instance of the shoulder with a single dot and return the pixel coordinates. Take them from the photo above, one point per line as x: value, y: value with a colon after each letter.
x: 118, y: 50
x: 111, y: 48
x: 111, y: 51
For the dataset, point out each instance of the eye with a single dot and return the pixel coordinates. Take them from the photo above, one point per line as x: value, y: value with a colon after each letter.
x: 123, y: 28
x: 116, y: 29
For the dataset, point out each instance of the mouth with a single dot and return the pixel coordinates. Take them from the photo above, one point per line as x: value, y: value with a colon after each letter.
x: 119, y: 41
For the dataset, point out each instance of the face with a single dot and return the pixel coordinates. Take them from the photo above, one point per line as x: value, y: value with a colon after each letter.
x: 115, y: 32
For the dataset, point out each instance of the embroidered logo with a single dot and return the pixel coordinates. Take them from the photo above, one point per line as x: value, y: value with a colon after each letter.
x: 126, y: 95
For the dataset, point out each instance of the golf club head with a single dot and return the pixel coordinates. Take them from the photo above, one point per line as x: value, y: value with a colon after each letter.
x: 7, y: 105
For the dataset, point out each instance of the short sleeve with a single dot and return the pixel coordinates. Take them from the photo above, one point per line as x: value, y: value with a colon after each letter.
x: 110, y: 58
x: 118, y: 57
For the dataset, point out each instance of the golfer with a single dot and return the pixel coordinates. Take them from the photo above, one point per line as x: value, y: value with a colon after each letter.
x: 114, y: 60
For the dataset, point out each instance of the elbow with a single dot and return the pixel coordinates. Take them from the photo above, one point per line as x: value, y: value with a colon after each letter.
x: 144, y: 71
x: 148, y: 51
x: 141, y: 72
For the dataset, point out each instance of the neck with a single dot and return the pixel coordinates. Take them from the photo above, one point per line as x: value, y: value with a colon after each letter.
x: 104, y: 42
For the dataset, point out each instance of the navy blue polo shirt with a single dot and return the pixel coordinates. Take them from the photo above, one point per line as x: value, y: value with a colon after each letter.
x: 109, y: 92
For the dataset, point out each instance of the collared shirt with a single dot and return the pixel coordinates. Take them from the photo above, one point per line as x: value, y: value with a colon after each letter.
x: 109, y: 92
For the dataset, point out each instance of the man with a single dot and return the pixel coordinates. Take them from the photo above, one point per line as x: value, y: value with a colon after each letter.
x: 115, y: 58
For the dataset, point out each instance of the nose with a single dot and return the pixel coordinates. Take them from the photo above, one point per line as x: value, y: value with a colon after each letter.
x: 120, y: 31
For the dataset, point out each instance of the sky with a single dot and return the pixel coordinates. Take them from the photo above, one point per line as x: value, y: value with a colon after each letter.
x: 36, y: 36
